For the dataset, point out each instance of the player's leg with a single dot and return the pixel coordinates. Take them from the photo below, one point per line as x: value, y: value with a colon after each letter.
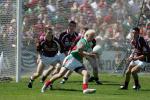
x: 39, y: 71
x: 46, y: 73
x: 60, y: 57
x: 57, y: 60
x: 38, y: 59
x: 94, y: 63
x: 63, y: 70
x: 65, y: 77
x: 127, y: 76
x: 139, y: 65
x: 85, y: 74
x: 57, y: 69
x: 135, y: 72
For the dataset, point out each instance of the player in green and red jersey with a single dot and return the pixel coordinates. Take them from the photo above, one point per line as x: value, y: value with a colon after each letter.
x: 74, y: 62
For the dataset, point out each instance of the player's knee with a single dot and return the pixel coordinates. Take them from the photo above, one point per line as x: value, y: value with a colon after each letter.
x: 52, y: 68
x: 128, y: 72
x: 57, y: 71
x: 133, y: 72
x: 37, y: 74
x: 95, y: 69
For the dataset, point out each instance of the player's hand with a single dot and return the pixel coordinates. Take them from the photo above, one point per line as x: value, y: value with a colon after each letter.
x: 130, y: 59
x: 135, y: 58
x: 93, y: 55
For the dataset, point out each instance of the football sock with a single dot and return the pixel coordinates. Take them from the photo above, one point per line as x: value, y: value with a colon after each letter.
x: 31, y: 80
x: 135, y: 76
x: 84, y: 86
x: 65, y: 78
x: 47, y: 83
x: 126, y: 84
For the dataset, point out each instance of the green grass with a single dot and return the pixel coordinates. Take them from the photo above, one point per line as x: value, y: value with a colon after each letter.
x: 72, y: 90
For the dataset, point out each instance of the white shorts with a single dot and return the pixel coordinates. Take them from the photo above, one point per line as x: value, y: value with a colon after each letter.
x: 61, y: 57
x: 71, y: 63
x: 50, y: 60
x: 139, y: 63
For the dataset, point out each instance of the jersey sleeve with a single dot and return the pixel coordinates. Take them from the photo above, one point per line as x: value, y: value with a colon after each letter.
x: 39, y: 45
x: 75, y: 43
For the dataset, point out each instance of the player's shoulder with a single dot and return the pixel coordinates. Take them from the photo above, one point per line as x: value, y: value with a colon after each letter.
x: 76, y: 33
x: 82, y: 40
x: 78, y: 38
x: 63, y: 33
x: 42, y: 42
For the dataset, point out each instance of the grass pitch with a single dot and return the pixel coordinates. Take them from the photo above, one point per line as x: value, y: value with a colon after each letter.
x: 72, y: 90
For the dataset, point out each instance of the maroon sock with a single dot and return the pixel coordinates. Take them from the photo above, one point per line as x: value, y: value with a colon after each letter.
x: 47, y: 83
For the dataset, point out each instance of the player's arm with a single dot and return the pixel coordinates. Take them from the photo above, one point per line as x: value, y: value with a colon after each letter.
x: 138, y: 57
x: 130, y: 58
x: 61, y: 41
x: 74, y: 44
x: 39, y: 46
x: 84, y: 53
x: 133, y: 57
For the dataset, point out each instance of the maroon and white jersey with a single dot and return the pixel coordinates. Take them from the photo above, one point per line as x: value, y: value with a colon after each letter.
x: 48, y: 48
x: 67, y: 39
x: 141, y: 47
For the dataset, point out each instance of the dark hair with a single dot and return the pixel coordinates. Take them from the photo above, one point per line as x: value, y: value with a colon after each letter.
x: 72, y: 22
x: 136, y: 29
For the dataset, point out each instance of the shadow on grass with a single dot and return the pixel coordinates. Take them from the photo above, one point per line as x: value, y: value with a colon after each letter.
x: 118, y: 94
x: 107, y: 83
x: 116, y: 84
x: 110, y: 83
x: 94, y: 83
x: 74, y: 81
x: 145, y: 90
x: 63, y: 89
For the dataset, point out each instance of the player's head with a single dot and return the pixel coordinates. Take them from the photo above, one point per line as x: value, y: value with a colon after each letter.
x: 89, y: 34
x: 135, y: 32
x: 72, y: 26
x: 48, y: 33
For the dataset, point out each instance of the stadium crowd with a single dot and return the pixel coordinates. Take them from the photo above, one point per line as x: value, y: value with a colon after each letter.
x: 112, y: 19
